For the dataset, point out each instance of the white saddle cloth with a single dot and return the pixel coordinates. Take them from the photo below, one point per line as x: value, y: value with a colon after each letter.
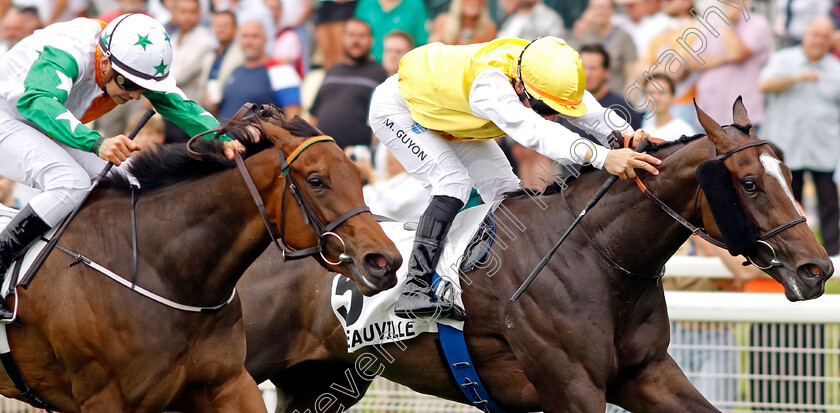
x: 371, y: 320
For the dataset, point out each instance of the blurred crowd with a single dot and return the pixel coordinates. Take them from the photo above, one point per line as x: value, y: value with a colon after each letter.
x: 647, y: 59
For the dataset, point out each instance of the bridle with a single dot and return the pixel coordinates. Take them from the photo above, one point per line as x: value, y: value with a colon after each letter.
x: 701, y: 232
x: 323, y: 232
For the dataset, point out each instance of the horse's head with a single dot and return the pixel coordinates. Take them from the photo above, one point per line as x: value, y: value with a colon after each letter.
x: 313, y: 195
x: 749, y: 204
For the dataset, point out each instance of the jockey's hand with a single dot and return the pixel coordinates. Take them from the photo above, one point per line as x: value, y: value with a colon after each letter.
x: 621, y: 162
x: 638, y: 136
x: 117, y: 149
x: 231, y: 147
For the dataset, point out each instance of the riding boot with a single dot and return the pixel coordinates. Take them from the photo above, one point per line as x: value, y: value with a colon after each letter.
x: 418, y: 298
x: 25, y: 228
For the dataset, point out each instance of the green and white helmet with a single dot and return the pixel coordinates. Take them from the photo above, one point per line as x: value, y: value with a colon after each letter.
x: 140, y: 50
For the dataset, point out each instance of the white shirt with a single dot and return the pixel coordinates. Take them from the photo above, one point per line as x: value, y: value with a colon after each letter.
x: 670, y: 131
x: 492, y: 98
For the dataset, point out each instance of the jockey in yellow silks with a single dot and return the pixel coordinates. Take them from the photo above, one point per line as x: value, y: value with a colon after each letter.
x: 438, y: 116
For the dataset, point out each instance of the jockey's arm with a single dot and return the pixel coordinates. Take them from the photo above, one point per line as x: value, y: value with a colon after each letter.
x: 493, y: 98
x: 46, y: 88
x: 188, y: 115
x: 599, y: 121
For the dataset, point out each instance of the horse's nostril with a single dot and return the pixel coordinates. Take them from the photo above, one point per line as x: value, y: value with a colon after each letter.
x: 376, y: 261
x: 811, y: 271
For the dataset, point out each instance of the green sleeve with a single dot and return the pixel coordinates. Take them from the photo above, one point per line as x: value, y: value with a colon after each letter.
x: 46, y: 88
x: 188, y: 115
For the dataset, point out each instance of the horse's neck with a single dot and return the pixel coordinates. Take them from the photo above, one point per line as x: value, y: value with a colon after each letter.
x: 646, y: 236
x: 628, y: 227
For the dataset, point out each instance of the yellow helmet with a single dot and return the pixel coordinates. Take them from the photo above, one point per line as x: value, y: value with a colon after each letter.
x: 550, y: 70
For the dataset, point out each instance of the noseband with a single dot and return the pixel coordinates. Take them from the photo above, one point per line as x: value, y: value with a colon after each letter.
x: 323, y: 232
x: 732, y: 208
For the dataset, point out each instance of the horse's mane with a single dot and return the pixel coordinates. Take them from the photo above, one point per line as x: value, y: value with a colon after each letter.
x: 556, y: 187
x: 168, y: 164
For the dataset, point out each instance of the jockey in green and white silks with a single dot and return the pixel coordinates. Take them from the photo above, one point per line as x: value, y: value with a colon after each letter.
x: 62, y: 77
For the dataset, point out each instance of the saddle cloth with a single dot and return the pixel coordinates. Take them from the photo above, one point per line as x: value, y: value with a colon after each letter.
x: 371, y: 320
x: 6, y: 215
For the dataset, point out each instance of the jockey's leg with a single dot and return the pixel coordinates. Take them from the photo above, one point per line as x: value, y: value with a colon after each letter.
x: 29, y: 157
x: 429, y: 158
x: 488, y: 167
x: 418, y: 299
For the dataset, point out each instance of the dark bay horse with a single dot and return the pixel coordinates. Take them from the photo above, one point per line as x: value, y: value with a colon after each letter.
x: 585, y: 333
x: 88, y: 344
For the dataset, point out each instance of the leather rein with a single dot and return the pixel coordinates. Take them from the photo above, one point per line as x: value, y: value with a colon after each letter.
x: 701, y: 232
x: 323, y: 232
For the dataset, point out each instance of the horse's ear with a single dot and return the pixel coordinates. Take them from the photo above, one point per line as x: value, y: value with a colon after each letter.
x: 739, y: 112
x: 713, y: 130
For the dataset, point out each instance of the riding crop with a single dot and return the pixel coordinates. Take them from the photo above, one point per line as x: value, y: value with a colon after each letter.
x: 595, y: 198
x: 39, y: 261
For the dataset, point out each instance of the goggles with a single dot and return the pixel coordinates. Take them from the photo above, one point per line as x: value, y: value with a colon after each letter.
x: 125, y: 83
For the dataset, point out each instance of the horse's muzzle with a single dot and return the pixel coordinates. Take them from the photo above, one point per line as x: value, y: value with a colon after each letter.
x: 809, y: 282
x: 380, y: 270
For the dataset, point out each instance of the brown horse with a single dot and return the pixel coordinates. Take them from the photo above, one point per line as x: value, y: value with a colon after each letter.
x: 585, y: 333
x: 88, y: 344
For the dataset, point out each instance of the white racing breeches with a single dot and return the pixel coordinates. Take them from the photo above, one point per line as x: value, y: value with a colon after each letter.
x: 31, y: 158
x: 448, y: 168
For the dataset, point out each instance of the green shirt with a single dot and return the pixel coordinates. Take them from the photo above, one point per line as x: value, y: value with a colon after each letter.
x: 408, y: 15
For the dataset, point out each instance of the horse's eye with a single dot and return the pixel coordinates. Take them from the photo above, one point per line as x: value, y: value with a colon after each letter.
x: 316, y: 182
x: 749, y: 185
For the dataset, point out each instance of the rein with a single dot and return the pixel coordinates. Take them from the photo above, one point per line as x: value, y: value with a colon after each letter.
x: 701, y: 232
x: 323, y: 232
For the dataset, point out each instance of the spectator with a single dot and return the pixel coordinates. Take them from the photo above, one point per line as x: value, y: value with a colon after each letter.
x: 7, y: 193
x: 793, y: 16
x: 151, y: 134
x: 642, y: 20
x: 620, y: 46
x: 329, y: 29
x: 126, y: 7
x: 666, y: 43
x: 532, y: 19
x: 54, y: 11
x: 396, y: 45
x: 191, y: 44
x: 467, y: 22
x: 733, y: 62
x: 386, y: 15
x: 287, y: 47
x: 596, y: 66
x: 293, y: 17
x: 802, y: 84
x: 217, y: 67
x: 259, y: 80
x: 17, y: 25
x: 341, y: 106
x: 663, y: 124
x: 247, y: 10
